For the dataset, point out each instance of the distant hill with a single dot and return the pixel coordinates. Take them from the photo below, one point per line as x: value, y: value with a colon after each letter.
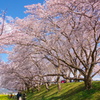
x: 3, y: 90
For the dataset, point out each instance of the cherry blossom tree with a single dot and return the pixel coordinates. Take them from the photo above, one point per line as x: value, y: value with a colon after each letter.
x: 79, y: 22
x: 63, y: 33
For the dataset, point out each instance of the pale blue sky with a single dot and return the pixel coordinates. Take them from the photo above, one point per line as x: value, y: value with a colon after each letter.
x: 15, y: 8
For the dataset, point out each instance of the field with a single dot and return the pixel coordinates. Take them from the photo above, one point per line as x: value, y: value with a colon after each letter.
x: 5, y: 97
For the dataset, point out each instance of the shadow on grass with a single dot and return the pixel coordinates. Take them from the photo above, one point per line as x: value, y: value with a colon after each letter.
x: 68, y: 94
x: 78, y: 93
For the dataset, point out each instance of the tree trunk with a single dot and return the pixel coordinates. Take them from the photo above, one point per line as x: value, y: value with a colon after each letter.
x: 47, y: 86
x: 27, y: 87
x: 75, y: 75
x: 67, y: 80
x: 58, y: 83
x: 88, y: 83
x: 58, y: 79
x: 38, y: 87
x: 59, y: 86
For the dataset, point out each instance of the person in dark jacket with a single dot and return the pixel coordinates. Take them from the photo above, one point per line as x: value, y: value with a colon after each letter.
x: 19, y: 95
x: 24, y: 96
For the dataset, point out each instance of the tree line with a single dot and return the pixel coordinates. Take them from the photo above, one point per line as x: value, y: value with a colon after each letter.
x: 57, y: 39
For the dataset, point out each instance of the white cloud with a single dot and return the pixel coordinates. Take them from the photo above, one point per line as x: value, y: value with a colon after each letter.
x: 9, y: 18
x: 7, y: 26
x: 96, y: 79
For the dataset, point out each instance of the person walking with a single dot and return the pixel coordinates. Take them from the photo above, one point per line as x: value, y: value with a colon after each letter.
x: 24, y: 96
x: 19, y: 96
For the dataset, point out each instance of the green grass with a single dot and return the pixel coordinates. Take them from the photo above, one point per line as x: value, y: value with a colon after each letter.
x: 5, y: 97
x: 69, y: 91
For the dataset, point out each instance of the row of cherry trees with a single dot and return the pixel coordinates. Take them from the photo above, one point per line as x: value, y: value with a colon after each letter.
x: 57, y: 38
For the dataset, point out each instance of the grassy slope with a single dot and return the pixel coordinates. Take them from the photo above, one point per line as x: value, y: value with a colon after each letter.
x: 70, y: 91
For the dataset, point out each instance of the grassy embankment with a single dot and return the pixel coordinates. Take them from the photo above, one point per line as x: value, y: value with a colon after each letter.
x: 70, y: 91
